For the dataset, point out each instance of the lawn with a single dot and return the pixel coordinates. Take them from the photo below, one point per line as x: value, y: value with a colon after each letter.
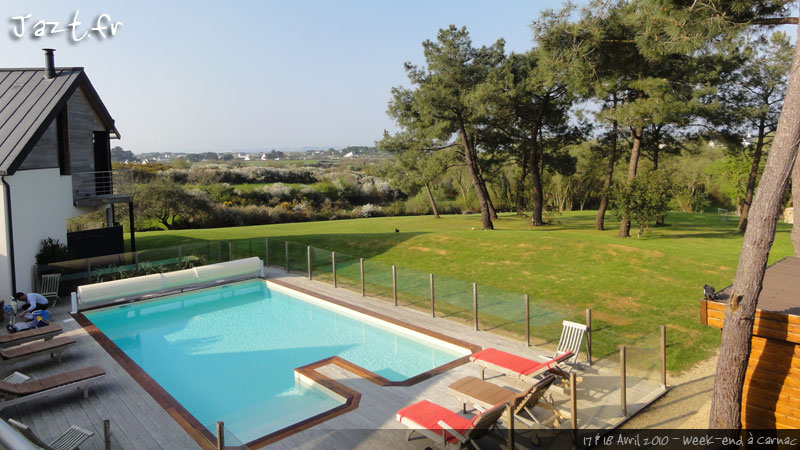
x: 632, y: 285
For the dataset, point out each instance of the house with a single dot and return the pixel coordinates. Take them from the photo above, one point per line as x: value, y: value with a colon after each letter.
x: 772, y: 381
x: 55, y: 162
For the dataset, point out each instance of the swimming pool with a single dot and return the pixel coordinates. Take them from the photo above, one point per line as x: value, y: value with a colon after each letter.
x: 229, y: 353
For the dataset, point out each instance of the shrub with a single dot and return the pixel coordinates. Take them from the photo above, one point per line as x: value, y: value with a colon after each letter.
x: 368, y: 210
x: 643, y: 201
x: 51, y: 250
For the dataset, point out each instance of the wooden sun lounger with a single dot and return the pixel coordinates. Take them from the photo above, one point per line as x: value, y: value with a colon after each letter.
x: 446, y: 428
x: 13, y: 394
x: 515, y: 366
x: 482, y: 394
x: 54, y: 347
x: 46, y: 333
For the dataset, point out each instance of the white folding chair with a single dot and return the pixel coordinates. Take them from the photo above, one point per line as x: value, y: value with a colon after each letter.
x: 16, y: 378
x: 70, y: 440
x: 571, y: 340
x: 49, y: 286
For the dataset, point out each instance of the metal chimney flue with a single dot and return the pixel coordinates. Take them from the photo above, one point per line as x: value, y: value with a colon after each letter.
x: 49, y: 63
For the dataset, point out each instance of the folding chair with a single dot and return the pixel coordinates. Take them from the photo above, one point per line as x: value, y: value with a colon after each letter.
x: 49, y: 286
x: 70, y: 440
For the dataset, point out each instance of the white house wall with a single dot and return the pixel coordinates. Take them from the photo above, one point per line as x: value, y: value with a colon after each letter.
x: 41, y: 203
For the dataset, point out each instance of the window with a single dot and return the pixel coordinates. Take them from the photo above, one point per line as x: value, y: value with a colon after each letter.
x: 62, y: 131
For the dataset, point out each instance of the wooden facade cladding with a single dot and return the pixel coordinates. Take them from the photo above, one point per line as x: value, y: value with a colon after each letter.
x: 771, y: 396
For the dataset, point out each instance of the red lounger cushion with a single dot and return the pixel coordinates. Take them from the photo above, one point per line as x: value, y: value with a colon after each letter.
x: 428, y: 415
x: 514, y: 363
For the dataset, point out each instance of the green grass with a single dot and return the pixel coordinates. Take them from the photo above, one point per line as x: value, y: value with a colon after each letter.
x: 632, y: 285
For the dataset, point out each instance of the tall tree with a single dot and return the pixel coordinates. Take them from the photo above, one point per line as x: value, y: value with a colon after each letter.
x: 440, y: 108
x: 752, y: 97
x: 526, y: 101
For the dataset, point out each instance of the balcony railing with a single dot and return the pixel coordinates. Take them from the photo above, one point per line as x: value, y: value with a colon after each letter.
x: 97, y: 188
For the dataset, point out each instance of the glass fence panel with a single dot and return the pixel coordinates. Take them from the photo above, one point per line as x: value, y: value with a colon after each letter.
x: 413, y: 288
x: 453, y: 298
x: 197, y: 254
x: 298, y: 258
x: 277, y: 256
x: 321, y: 264
x: 348, y: 272
x: 378, y: 279
x: 501, y: 310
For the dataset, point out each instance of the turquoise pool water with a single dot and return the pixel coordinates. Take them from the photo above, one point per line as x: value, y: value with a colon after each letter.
x: 228, y: 353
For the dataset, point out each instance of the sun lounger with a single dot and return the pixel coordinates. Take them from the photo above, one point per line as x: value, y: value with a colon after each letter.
x: 46, y: 333
x: 13, y: 394
x: 513, y: 365
x: 482, y: 394
x: 54, y: 347
x: 446, y: 428
x: 70, y: 440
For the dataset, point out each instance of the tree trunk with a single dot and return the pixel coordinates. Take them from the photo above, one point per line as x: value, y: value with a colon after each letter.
x: 751, y: 179
x: 461, y: 188
x: 433, y: 201
x: 796, y: 208
x: 489, y: 204
x: 537, y: 195
x: 625, y: 225
x: 726, y: 406
x: 599, y: 221
x: 521, y: 185
x: 477, y: 181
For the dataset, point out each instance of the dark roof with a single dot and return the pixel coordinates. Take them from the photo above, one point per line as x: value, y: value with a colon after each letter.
x: 780, y: 292
x: 29, y: 103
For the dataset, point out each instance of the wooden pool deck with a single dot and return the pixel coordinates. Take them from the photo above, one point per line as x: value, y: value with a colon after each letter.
x: 138, y: 422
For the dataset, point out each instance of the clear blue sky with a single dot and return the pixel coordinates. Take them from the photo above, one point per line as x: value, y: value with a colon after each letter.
x: 213, y: 75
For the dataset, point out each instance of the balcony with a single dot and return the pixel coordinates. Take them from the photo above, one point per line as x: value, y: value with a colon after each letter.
x: 102, y: 188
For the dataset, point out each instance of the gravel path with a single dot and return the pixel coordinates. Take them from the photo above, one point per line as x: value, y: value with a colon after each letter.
x: 686, y: 405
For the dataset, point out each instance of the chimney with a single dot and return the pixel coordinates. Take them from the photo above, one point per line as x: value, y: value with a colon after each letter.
x: 49, y: 63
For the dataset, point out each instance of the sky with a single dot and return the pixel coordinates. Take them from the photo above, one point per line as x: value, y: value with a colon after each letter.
x: 192, y: 76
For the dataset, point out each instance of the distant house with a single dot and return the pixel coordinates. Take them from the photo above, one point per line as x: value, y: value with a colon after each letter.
x: 55, y: 162
x: 350, y: 155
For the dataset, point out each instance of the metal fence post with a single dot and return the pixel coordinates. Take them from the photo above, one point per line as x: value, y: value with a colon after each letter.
x: 333, y: 267
x: 230, y: 251
x: 308, y: 259
x: 475, y: 303
x: 663, y: 356
x: 394, y: 283
x: 510, y: 425
x: 573, y: 395
x: 220, y: 435
x: 623, y: 382
x: 361, y: 263
x: 589, y: 336
x: 136, y: 259
x: 219, y: 251
x: 107, y: 434
x: 527, y: 320
x: 286, y: 248
x: 266, y: 251
x: 433, y: 307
